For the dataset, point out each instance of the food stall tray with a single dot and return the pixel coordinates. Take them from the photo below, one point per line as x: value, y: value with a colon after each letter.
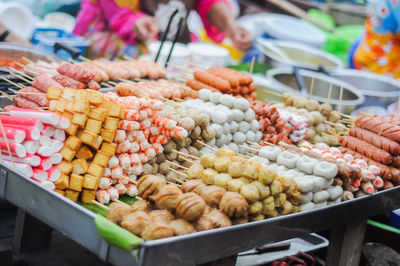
x: 77, y: 223
x: 305, y: 244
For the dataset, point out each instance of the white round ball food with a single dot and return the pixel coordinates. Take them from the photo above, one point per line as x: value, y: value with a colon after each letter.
x: 243, y: 150
x: 254, y: 125
x: 239, y: 138
x: 227, y: 100
x: 221, y: 141
x: 204, y: 94
x: 234, y: 127
x: 241, y: 103
x: 227, y: 128
x: 214, y: 97
x: 211, y: 142
x: 244, y: 127
x: 249, y: 115
x: 229, y: 138
x: 229, y: 115
x: 218, y: 117
x: 258, y: 136
x: 251, y: 136
x: 219, y: 130
x: 233, y: 146
x: 238, y: 115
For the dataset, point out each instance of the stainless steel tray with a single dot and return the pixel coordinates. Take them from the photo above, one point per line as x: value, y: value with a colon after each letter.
x: 77, y: 223
x: 307, y: 243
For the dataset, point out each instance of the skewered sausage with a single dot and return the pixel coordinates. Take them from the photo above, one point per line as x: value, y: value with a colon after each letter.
x: 212, y: 80
x: 222, y: 73
x: 366, y: 149
x: 42, y: 82
x: 375, y: 124
x: 198, y: 85
x: 385, y: 171
x: 69, y: 82
x: 76, y: 72
x: 93, y: 85
x: 376, y: 140
x: 41, y: 100
x: 24, y: 103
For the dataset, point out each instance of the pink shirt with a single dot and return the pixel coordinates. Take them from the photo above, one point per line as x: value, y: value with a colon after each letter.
x: 121, y: 20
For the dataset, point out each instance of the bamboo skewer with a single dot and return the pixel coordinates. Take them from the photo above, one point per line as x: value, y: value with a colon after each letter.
x: 7, y: 144
x: 21, y: 73
x: 253, y: 59
x: 340, y: 99
x: 99, y: 204
x: 176, y: 180
x: 186, y: 154
x: 329, y: 92
x: 208, y: 146
x: 273, y: 93
x: 21, y: 78
x: 247, y: 147
x: 178, y: 165
x: 335, y: 124
x: 254, y: 144
x: 177, y: 172
x: 311, y: 88
x: 186, y: 159
x: 13, y: 83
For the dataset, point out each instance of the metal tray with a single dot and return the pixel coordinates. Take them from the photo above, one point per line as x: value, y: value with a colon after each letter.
x: 307, y: 243
x: 77, y: 223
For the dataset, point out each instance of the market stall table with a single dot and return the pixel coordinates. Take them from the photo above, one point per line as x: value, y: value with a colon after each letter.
x: 347, y: 219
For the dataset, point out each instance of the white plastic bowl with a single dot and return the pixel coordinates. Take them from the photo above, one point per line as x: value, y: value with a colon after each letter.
x: 180, y: 55
x: 18, y: 19
x: 283, y: 27
x: 208, y: 55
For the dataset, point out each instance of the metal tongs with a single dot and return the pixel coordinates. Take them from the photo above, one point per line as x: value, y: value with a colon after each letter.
x: 164, y: 37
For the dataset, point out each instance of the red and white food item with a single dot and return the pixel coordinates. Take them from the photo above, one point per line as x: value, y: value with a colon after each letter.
x: 76, y: 72
x: 42, y: 82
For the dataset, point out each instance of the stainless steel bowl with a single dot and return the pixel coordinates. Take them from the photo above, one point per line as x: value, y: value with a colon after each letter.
x: 378, y: 90
x: 283, y: 79
x: 300, y: 55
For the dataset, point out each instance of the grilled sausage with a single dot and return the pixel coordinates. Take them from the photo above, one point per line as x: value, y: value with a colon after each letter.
x: 379, y: 141
x: 76, y: 72
x: 375, y: 124
x: 69, y: 82
x: 366, y: 149
x: 41, y: 100
x: 212, y: 80
x: 42, y: 82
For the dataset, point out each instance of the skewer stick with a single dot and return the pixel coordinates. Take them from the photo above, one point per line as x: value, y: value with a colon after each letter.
x: 329, y: 92
x: 31, y: 71
x: 13, y: 83
x: 176, y: 180
x: 254, y: 144
x: 340, y: 99
x: 269, y: 143
x: 253, y: 60
x: 186, y: 159
x: 81, y: 57
x: 177, y: 77
x: 8, y: 144
x: 112, y: 82
x: 177, y: 172
x: 178, y: 165
x: 208, y: 146
x: 311, y: 88
x: 272, y: 93
x: 186, y: 154
x: 335, y: 124
x: 99, y: 204
x: 367, y: 114
x: 7, y: 95
x: 28, y: 60
x: 133, y: 181
x: 117, y: 200
x: 107, y: 85
x: 347, y: 116
x: 24, y: 92
x: 252, y: 149
x: 328, y: 135
x: 181, y: 68
x: 398, y: 105
x: 199, y: 66
x: 20, y: 77
x: 21, y: 73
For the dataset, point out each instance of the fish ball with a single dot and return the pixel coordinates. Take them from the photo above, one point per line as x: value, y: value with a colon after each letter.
x: 234, y: 127
x: 249, y: 115
x: 234, y: 147
x: 254, y: 125
x: 238, y: 115
x: 239, y: 138
x: 244, y: 127
x: 227, y: 128
x: 250, y: 192
x: 235, y: 185
x: 220, y: 141
x: 251, y: 136
x: 219, y: 117
x: 221, y: 163
x: 229, y: 138
x: 258, y: 136
x: 227, y: 100
x: 204, y: 94
x: 209, y: 176
x: 222, y: 180
x: 214, y: 97
x: 218, y: 129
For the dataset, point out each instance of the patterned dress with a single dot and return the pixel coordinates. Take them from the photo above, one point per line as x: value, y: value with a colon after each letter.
x: 108, y: 24
x: 379, y: 48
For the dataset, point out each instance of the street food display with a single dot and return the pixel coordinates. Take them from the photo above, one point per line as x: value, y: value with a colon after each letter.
x: 197, y: 156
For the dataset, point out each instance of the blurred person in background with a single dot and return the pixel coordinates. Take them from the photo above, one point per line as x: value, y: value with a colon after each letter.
x: 378, y: 50
x: 7, y: 36
x: 114, y: 25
